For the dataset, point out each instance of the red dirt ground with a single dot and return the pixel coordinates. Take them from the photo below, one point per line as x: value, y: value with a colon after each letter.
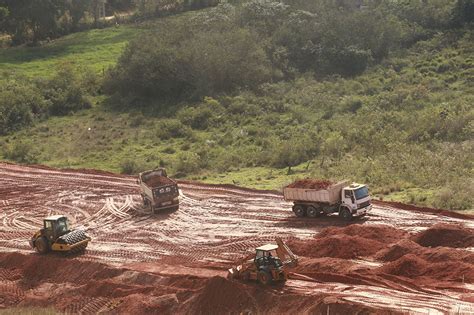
x: 393, y: 261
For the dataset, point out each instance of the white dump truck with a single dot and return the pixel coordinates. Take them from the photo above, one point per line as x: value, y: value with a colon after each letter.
x: 159, y: 192
x: 348, y: 201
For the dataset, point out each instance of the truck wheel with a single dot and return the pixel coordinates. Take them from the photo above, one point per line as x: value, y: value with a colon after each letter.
x: 312, y: 212
x: 264, y: 277
x: 245, y: 276
x: 299, y: 210
x: 345, y: 214
x: 41, y: 245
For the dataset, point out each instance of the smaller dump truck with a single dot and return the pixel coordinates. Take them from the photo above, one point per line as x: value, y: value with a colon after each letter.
x: 312, y: 201
x: 268, y: 265
x: 57, y: 236
x: 159, y: 192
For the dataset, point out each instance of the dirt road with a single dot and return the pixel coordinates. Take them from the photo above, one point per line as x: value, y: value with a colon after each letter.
x: 213, y: 227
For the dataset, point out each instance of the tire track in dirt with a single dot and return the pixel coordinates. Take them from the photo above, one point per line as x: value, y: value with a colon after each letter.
x: 215, y: 224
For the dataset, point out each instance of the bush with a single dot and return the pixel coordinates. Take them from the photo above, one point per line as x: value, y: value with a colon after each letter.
x: 20, y: 104
x: 131, y: 166
x: 188, y: 163
x: 195, y: 117
x: 171, y: 128
x: 182, y: 65
x: 65, y: 92
x: 21, y: 152
x: 456, y: 196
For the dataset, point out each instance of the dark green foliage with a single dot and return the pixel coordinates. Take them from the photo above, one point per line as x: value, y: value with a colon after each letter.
x: 130, y: 167
x: 24, y: 101
x: 172, y: 128
x: 179, y: 66
x: 21, y: 103
x: 21, y: 152
x: 65, y: 92
x: 463, y: 12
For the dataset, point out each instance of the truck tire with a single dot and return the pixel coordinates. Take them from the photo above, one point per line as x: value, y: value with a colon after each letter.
x: 264, y: 277
x: 345, y: 214
x: 41, y: 245
x: 245, y: 276
x: 299, y: 211
x: 312, y: 212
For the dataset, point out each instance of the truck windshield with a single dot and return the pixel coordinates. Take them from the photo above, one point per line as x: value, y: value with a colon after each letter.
x: 361, y: 192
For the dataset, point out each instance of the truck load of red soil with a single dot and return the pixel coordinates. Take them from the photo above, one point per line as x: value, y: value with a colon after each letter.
x: 382, y: 233
x: 448, y: 235
x: 311, y: 184
x: 158, y: 181
x: 337, y: 246
x: 412, y: 266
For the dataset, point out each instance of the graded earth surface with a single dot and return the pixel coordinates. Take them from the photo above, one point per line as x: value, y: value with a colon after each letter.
x: 397, y: 259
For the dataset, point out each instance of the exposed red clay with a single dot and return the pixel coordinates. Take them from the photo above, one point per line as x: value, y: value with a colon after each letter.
x: 393, y: 261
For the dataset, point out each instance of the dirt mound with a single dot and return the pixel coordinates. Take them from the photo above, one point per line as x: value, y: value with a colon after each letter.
x: 412, y: 266
x: 326, y: 265
x: 398, y: 250
x: 36, y: 268
x: 337, y: 246
x: 382, y: 233
x: 448, y: 235
x: 221, y: 296
x: 311, y: 184
x: 349, y: 242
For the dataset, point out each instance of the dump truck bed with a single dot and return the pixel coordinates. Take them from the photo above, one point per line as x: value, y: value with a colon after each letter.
x: 330, y: 195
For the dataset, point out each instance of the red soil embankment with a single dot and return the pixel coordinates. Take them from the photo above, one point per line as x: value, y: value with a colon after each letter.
x: 393, y: 252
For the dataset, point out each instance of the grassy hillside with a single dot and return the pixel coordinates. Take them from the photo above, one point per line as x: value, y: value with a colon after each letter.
x: 405, y: 126
x: 94, y: 49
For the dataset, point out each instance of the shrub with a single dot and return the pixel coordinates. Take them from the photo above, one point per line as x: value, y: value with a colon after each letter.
x: 456, y: 196
x: 21, y: 152
x: 65, y: 92
x: 131, y: 166
x: 171, y: 128
x: 187, y: 64
x: 188, y: 163
x: 20, y: 104
x: 195, y: 117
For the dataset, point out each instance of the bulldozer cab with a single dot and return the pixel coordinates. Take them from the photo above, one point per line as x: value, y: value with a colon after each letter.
x: 55, y: 226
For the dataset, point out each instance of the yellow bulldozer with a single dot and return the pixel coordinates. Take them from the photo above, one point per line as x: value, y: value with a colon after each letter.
x: 267, y: 266
x: 56, y: 236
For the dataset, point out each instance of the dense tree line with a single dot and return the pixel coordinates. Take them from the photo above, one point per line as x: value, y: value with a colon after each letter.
x: 207, y: 55
x: 32, y: 21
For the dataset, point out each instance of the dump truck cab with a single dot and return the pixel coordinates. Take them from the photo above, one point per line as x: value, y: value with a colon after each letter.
x: 355, y: 201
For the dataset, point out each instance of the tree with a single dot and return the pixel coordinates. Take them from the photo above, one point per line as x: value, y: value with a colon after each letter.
x: 37, y: 17
x: 463, y: 12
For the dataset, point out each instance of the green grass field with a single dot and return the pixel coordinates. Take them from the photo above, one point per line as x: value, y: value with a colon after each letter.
x: 95, y: 49
x: 102, y: 138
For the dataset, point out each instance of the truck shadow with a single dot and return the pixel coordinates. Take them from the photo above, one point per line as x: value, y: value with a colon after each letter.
x: 323, y: 221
